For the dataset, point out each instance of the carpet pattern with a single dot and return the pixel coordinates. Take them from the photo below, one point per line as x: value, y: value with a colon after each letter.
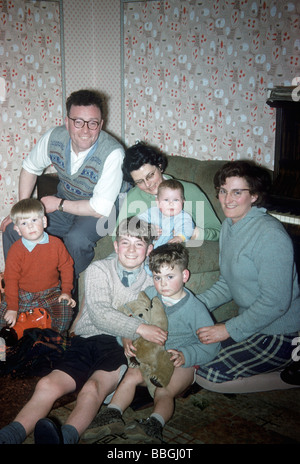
x: 205, y: 417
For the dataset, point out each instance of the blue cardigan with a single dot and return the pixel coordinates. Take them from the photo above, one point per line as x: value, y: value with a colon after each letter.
x: 257, y: 271
x: 184, y: 318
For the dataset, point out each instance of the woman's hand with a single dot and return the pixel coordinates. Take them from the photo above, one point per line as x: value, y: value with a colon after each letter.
x: 213, y: 334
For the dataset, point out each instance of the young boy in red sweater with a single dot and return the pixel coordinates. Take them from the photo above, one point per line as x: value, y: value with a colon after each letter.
x: 38, y: 270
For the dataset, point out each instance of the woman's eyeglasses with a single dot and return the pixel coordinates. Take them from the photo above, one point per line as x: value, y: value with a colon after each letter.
x: 235, y: 193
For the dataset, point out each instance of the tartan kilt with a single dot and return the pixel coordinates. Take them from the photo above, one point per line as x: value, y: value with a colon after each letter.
x: 259, y: 354
x: 60, y: 312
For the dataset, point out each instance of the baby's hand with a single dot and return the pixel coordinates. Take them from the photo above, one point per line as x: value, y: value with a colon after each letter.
x: 177, y: 239
x: 177, y: 357
x: 10, y: 317
x: 70, y: 301
x: 158, y: 231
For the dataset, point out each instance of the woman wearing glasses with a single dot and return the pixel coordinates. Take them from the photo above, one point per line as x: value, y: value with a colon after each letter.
x: 144, y: 167
x: 88, y: 162
x: 257, y: 271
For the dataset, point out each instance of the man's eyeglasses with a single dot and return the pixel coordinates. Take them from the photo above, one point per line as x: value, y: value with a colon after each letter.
x: 79, y: 123
x: 235, y: 193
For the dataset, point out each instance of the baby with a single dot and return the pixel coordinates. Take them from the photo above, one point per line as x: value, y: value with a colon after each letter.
x: 173, y: 223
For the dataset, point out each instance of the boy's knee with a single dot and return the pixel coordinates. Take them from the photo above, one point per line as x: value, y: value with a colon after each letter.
x: 133, y: 375
x: 55, y: 385
x: 45, y: 384
x: 91, y: 386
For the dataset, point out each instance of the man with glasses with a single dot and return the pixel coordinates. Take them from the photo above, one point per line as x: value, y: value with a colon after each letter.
x: 88, y: 163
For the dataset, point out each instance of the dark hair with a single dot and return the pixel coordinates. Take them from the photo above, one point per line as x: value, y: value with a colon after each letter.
x: 257, y: 178
x: 140, y: 154
x: 84, y: 98
x: 135, y: 227
x: 171, y: 254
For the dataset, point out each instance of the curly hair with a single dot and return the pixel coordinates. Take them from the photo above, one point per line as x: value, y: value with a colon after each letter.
x: 140, y: 154
x: 170, y: 254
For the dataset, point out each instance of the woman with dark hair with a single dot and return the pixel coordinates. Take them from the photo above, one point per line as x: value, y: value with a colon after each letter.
x: 257, y: 271
x: 144, y: 167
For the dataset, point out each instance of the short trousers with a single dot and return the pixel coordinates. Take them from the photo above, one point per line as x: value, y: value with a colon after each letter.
x: 87, y: 355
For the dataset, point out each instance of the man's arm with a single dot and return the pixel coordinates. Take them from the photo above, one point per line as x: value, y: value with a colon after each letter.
x: 104, y: 195
x: 79, y: 207
x: 27, y: 182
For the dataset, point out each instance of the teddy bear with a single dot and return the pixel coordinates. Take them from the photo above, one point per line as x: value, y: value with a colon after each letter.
x: 152, y: 359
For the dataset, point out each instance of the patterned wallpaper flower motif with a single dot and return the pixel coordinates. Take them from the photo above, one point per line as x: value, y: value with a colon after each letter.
x: 30, y: 67
x: 196, y: 74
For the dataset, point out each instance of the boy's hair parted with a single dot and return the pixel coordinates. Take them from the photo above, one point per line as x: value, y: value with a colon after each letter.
x: 24, y: 208
x: 170, y: 254
x: 172, y: 184
x: 135, y: 227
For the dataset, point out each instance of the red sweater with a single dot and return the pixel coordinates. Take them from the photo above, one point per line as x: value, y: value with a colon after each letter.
x: 47, y: 265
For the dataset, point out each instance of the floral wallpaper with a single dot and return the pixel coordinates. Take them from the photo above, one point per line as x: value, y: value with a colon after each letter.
x: 30, y: 86
x: 196, y: 74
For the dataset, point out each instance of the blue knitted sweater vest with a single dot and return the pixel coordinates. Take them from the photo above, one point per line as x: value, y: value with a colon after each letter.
x: 81, y: 184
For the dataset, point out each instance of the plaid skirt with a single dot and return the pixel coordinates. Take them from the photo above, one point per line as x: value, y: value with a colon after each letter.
x: 258, y: 354
x: 61, y: 314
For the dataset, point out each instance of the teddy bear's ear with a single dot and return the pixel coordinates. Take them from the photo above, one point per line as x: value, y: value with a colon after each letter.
x: 156, y: 302
x: 144, y: 299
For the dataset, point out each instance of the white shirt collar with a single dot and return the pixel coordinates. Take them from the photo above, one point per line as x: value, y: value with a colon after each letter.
x: 31, y: 245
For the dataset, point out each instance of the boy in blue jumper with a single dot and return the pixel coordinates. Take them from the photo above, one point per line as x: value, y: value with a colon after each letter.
x: 185, y: 313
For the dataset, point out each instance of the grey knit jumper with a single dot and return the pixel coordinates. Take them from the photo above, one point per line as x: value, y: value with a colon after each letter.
x: 104, y: 293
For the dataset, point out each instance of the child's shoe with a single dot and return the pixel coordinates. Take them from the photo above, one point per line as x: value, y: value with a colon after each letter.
x: 107, y: 422
x: 147, y: 431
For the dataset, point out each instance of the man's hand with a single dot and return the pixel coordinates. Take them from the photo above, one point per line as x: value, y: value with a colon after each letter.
x: 51, y: 203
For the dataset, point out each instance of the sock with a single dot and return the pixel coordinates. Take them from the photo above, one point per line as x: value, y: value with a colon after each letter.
x: 13, y: 434
x: 70, y: 434
x: 115, y: 406
x: 158, y: 417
